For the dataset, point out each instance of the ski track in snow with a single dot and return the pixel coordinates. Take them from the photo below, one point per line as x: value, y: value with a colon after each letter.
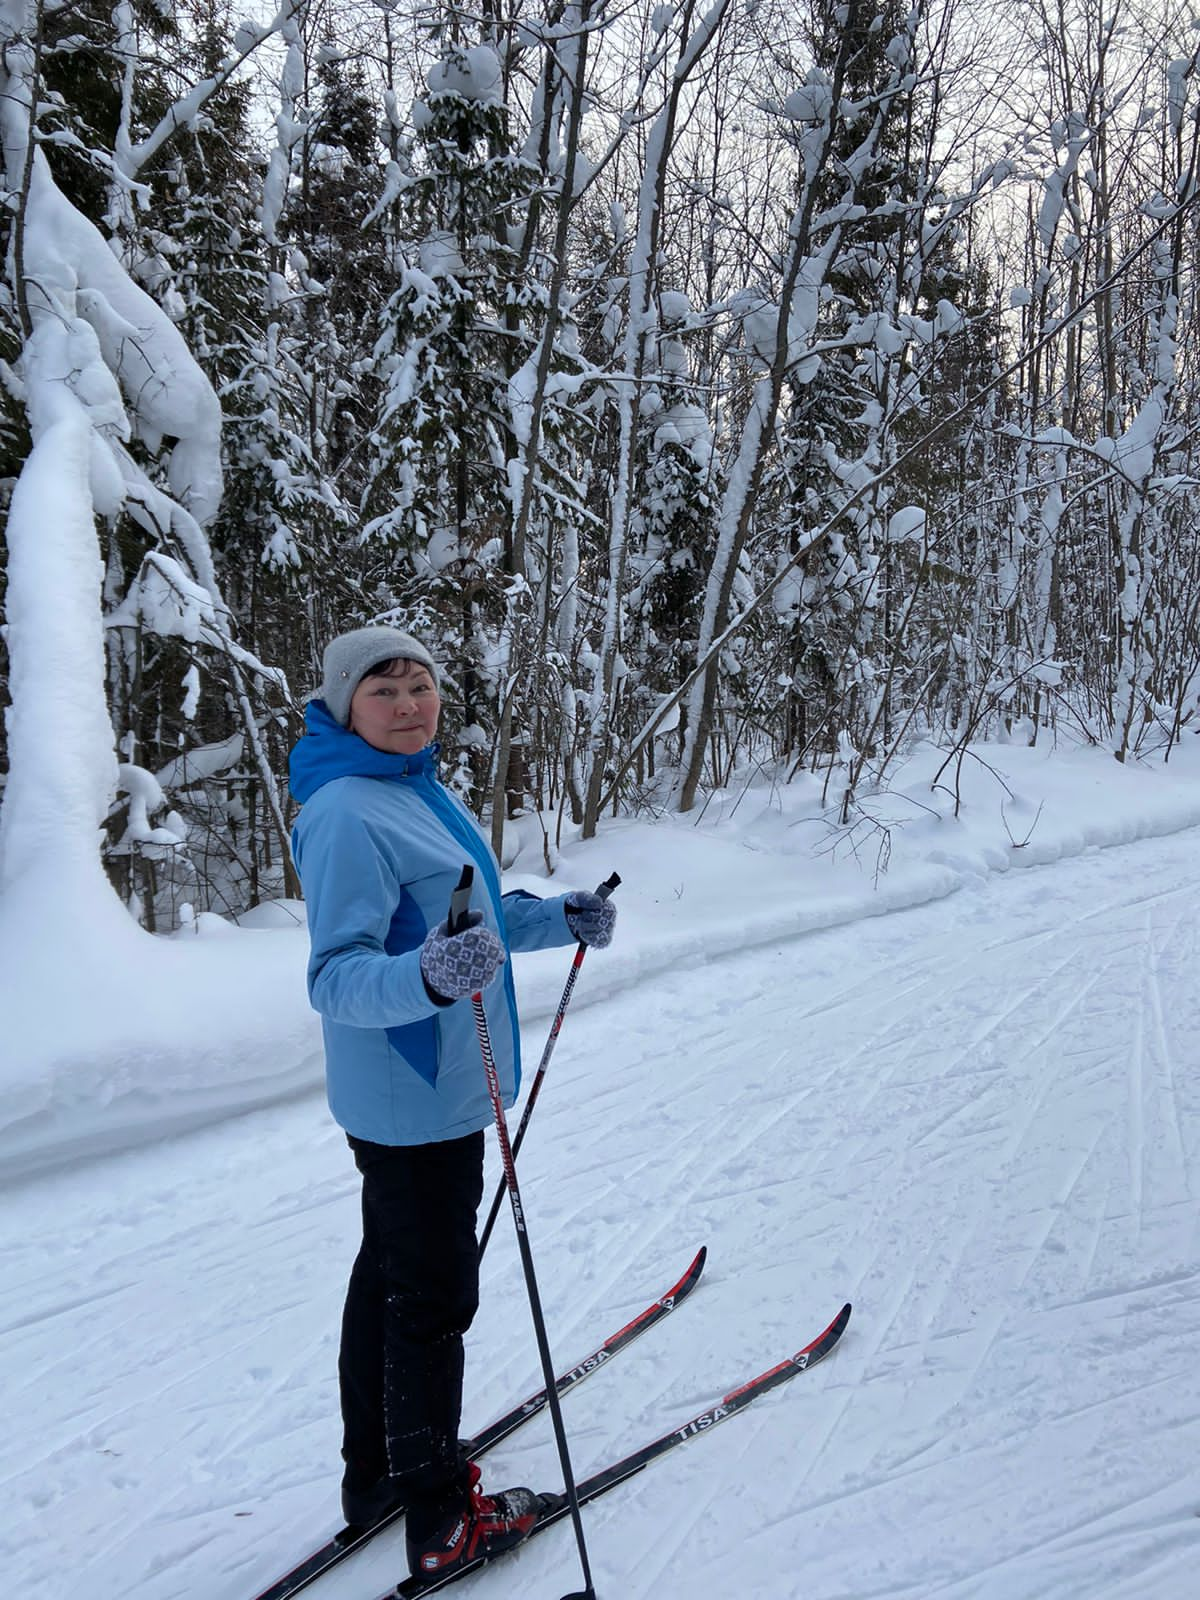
x: 979, y: 1120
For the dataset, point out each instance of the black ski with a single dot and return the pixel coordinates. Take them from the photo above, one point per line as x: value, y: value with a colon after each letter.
x: 349, y: 1541
x: 555, y: 1506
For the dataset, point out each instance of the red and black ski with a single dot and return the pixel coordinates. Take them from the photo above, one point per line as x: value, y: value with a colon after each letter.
x: 350, y: 1540
x: 555, y: 1506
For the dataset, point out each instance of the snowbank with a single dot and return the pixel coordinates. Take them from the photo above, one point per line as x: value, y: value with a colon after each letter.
x: 110, y: 1043
x: 92, y: 1059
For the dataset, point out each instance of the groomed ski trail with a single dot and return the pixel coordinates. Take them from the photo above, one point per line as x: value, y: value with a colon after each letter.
x: 978, y: 1120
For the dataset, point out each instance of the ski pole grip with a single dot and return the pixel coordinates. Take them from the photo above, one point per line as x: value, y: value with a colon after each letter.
x: 460, y: 900
x: 609, y: 884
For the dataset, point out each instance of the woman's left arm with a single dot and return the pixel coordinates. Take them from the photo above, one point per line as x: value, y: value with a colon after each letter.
x: 533, y: 924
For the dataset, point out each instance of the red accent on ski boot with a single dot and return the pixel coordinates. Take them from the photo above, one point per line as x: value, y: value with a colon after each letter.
x: 485, y: 1526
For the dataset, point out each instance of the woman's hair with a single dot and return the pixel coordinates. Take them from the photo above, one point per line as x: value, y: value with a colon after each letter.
x: 383, y: 669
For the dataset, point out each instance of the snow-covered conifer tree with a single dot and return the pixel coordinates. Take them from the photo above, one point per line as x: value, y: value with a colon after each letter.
x: 678, y: 493
x: 436, y: 497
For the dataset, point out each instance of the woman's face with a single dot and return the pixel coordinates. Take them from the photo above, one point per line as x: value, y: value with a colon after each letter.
x: 397, y: 710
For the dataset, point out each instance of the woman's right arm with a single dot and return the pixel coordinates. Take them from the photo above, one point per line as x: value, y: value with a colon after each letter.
x: 352, y: 891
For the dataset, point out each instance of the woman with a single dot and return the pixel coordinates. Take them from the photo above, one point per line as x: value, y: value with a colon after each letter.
x: 380, y: 845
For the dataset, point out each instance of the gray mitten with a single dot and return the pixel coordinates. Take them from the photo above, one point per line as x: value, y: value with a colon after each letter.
x: 590, y: 918
x: 457, y: 965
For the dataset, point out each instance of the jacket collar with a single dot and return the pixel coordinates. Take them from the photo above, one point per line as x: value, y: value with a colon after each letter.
x: 330, y: 751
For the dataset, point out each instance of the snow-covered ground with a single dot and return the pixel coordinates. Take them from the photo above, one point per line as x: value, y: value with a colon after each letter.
x: 977, y: 1117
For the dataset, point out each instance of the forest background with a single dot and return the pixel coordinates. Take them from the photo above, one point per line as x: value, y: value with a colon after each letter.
x: 765, y: 386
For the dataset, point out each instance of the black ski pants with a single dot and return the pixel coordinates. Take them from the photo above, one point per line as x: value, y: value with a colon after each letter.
x: 413, y: 1294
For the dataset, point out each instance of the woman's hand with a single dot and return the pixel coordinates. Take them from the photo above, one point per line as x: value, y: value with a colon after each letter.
x: 590, y: 918
x: 457, y: 965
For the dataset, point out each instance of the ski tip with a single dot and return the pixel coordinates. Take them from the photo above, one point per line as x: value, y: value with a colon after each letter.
x: 690, y: 1278
x: 824, y: 1342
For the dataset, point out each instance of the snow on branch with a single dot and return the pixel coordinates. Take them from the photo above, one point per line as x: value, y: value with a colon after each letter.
x: 72, y: 276
x: 171, y: 604
x: 289, y: 131
x: 185, y: 110
x: 62, y: 768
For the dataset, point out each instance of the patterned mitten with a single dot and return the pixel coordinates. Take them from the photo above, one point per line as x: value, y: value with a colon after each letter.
x: 590, y: 918
x: 457, y: 965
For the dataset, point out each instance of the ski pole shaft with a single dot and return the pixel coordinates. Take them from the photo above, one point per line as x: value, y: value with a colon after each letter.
x: 605, y: 889
x: 458, y: 904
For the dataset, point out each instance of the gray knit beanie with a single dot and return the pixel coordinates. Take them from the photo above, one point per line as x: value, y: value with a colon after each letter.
x: 350, y: 656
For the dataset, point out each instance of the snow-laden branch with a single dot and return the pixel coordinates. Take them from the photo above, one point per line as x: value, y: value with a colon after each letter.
x: 62, y: 767
x: 183, y: 113
x: 70, y: 275
x: 289, y: 131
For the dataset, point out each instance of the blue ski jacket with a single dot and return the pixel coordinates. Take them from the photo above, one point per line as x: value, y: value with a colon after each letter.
x: 380, y: 845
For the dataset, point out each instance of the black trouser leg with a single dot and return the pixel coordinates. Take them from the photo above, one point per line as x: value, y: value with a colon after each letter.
x: 413, y: 1293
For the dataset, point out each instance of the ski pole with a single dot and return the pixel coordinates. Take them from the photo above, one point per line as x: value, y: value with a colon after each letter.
x: 605, y: 889
x: 459, y: 902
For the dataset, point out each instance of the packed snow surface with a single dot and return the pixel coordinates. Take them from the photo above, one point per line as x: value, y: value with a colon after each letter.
x: 976, y: 1116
